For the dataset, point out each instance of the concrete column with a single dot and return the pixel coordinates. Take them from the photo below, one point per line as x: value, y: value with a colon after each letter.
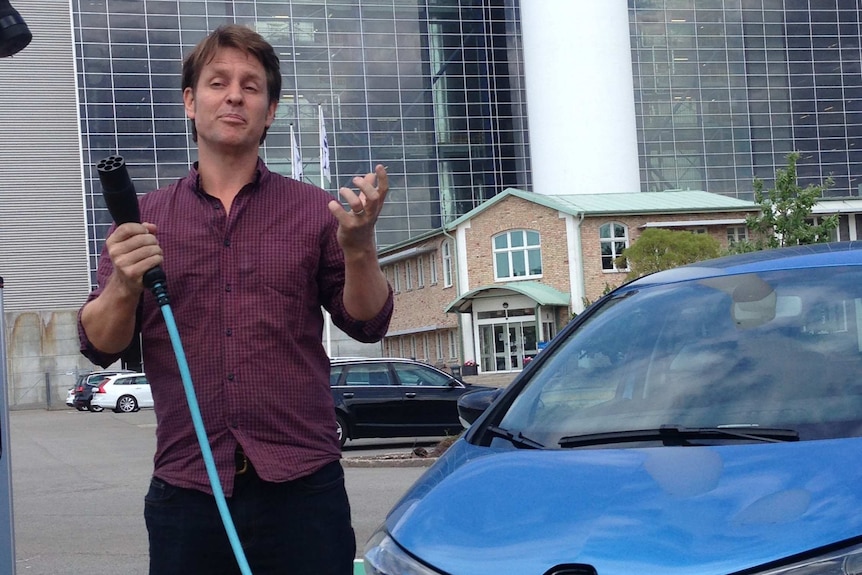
x: 580, y: 96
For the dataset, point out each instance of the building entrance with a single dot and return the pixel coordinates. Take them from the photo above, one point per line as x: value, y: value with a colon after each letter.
x: 505, y: 343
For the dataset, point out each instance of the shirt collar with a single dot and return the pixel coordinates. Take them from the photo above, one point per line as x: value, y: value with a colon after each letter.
x: 262, y: 174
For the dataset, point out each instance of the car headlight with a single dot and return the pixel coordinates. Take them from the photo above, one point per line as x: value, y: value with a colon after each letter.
x: 384, y: 557
x: 846, y: 561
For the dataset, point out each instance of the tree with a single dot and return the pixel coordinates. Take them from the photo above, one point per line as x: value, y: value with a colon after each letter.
x: 657, y: 249
x: 785, y: 212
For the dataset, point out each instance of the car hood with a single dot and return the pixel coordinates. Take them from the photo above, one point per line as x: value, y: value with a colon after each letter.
x: 660, y: 510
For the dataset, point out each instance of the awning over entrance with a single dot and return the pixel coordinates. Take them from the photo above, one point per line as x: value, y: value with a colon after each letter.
x: 540, y: 293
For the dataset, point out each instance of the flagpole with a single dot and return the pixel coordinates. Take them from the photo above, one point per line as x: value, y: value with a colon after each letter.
x: 324, y: 149
x: 296, y: 157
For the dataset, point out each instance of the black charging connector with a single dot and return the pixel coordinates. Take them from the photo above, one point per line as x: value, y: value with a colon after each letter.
x: 122, y: 202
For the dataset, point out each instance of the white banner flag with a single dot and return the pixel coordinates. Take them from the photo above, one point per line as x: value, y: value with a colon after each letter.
x: 324, y: 148
x: 296, y: 155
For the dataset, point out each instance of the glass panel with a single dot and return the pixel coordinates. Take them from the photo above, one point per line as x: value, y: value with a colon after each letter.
x: 605, y: 231
x: 535, y: 260
x: 418, y: 375
x: 502, y: 260
x: 691, y: 354
x: 517, y: 239
x: 519, y: 265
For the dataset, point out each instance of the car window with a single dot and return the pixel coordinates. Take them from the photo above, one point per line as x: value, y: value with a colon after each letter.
x: 410, y: 374
x: 776, y: 349
x: 335, y: 374
x: 367, y: 374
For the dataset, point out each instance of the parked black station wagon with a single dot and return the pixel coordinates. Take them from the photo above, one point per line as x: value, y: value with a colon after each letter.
x: 394, y: 397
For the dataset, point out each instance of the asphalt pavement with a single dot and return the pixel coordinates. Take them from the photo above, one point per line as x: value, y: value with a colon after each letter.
x: 79, y: 480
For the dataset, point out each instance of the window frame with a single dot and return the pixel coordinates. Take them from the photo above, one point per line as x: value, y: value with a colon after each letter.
x: 511, y: 251
x: 613, y: 240
x: 446, y: 257
x: 733, y: 234
x: 432, y: 264
x: 420, y: 272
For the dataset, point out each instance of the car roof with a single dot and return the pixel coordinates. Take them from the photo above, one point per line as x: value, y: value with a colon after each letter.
x: 126, y: 374
x: 830, y: 254
x: 338, y: 360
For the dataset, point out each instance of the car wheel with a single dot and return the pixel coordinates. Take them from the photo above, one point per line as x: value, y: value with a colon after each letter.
x: 127, y: 404
x: 80, y: 408
x: 341, y: 430
x: 95, y: 408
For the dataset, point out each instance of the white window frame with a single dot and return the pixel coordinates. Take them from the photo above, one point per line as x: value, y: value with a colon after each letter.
x: 453, y: 344
x: 408, y: 275
x: 446, y: 256
x: 396, y: 278
x: 737, y: 234
x: 613, y: 240
x: 432, y: 264
x: 509, y: 251
x: 420, y: 272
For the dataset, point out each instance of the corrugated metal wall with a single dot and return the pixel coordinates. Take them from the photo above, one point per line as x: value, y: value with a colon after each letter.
x: 43, y: 251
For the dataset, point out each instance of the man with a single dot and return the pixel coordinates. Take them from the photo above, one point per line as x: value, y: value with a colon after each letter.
x: 250, y: 257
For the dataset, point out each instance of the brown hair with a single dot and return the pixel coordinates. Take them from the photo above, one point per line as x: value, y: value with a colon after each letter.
x: 241, y: 38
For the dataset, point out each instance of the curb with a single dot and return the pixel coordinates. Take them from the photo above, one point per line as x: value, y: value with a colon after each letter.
x: 391, y: 460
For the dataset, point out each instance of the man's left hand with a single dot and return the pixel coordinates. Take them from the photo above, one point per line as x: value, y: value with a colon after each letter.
x: 356, y: 224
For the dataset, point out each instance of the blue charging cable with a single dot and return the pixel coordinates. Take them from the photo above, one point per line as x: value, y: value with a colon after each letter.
x: 200, y: 431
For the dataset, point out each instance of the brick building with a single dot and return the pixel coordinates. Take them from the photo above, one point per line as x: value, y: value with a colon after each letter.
x: 493, y: 285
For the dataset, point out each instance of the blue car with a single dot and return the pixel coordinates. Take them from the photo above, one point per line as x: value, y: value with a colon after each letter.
x: 703, y: 420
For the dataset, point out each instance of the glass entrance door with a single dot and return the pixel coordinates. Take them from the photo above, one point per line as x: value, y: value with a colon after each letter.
x: 505, y: 345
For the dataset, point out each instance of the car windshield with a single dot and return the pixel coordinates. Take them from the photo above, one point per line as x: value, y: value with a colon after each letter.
x: 778, y: 350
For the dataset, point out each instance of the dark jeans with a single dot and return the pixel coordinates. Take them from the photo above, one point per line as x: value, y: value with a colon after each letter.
x: 299, y: 527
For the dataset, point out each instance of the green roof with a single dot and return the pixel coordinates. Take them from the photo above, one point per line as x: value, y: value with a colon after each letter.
x: 540, y: 293
x: 669, y: 202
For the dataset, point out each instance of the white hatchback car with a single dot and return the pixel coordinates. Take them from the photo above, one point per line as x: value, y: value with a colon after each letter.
x: 123, y: 393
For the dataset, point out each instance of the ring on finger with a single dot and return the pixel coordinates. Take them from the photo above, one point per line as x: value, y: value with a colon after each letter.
x: 359, y: 213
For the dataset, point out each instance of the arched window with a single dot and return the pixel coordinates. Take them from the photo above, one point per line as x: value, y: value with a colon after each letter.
x: 517, y: 254
x: 614, y: 238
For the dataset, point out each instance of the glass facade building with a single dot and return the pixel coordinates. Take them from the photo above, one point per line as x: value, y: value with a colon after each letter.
x: 725, y: 89
x: 433, y: 89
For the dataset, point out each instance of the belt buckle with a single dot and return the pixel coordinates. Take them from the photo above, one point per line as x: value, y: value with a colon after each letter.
x: 243, y: 467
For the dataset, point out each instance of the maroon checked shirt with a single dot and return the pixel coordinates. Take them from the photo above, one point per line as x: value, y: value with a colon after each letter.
x: 246, y: 290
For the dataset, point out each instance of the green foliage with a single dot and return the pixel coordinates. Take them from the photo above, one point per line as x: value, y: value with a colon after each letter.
x: 586, y: 301
x: 658, y: 249
x: 785, y: 217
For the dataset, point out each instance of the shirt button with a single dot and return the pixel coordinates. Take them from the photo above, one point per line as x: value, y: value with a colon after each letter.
x: 228, y: 332
x: 230, y: 377
x: 227, y: 243
x: 227, y: 287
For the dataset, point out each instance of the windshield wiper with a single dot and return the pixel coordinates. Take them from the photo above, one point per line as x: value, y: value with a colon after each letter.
x: 678, y: 435
x: 517, y: 440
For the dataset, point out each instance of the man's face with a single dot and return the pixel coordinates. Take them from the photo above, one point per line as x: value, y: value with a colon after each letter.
x: 230, y: 104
